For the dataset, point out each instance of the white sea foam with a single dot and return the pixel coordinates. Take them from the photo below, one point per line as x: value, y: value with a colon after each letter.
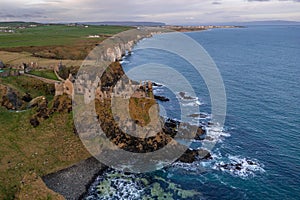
x: 191, y: 104
x: 238, y: 166
x: 195, y: 167
x: 117, y: 185
x: 124, y: 62
x: 158, y: 90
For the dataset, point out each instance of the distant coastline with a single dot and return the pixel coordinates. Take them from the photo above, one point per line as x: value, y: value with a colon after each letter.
x: 199, y: 28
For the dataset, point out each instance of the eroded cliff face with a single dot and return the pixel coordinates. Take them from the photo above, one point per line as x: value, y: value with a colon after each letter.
x: 142, y: 118
x: 118, y: 46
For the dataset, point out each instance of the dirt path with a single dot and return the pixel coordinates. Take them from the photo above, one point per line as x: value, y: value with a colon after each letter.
x: 46, y: 80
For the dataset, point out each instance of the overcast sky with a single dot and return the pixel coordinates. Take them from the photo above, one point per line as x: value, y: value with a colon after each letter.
x: 168, y: 11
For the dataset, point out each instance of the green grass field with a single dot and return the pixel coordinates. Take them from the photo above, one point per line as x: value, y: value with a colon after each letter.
x: 50, y: 147
x: 23, y: 149
x: 51, y: 35
x: 57, y: 41
x: 49, y: 74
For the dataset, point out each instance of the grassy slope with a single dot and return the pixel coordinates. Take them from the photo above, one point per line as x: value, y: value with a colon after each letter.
x: 52, y: 145
x: 24, y: 84
x: 42, y: 150
x: 49, y: 74
x: 45, y: 149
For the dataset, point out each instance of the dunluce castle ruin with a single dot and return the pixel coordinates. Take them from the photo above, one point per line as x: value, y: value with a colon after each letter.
x: 110, y: 51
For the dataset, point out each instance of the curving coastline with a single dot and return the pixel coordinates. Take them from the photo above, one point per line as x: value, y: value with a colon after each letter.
x: 73, y: 182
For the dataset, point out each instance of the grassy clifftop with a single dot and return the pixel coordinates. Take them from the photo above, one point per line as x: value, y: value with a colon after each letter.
x: 26, y: 150
x: 31, y: 152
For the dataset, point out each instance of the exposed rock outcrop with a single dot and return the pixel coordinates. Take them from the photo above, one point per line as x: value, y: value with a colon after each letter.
x: 119, y: 45
x: 161, y: 98
x: 10, y: 98
x: 60, y: 104
x: 140, y: 101
x: 192, y: 155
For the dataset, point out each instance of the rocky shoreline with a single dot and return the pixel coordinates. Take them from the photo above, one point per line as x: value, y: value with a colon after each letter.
x: 73, y: 182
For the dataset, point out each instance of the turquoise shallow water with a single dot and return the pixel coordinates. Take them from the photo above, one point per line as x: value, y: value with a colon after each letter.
x: 261, y: 73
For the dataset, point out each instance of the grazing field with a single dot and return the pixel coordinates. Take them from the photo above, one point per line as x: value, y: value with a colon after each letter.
x: 52, y: 35
x: 55, y: 41
x: 17, y: 58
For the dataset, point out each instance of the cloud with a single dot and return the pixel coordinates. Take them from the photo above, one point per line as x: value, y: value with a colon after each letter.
x: 216, y: 3
x: 273, y: 1
x: 172, y: 11
x: 291, y: 0
x: 258, y: 0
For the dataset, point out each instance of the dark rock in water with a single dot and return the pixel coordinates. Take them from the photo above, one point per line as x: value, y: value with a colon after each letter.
x: 235, y: 166
x: 204, y: 154
x: 34, y: 122
x: 231, y: 166
x: 170, y: 129
x: 182, y: 95
x: 200, y: 135
x: 156, y: 84
x: 172, y: 123
x: 188, y: 132
x: 238, y: 166
x: 250, y: 162
x: 201, y: 115
x: 161, y: 98
x: 192, y: 155
x: 210, y: 123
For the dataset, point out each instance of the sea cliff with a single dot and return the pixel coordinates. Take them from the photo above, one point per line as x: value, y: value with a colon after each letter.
x: 105, y: 88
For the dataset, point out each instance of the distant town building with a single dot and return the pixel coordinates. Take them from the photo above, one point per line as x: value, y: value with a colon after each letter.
x: 94, y: 36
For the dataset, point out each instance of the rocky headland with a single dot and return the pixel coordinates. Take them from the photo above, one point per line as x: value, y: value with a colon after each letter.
x: 109, y: 85
x: 143, y: 95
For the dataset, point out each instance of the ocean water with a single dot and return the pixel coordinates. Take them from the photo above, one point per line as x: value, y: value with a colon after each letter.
x: 261, y: 73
